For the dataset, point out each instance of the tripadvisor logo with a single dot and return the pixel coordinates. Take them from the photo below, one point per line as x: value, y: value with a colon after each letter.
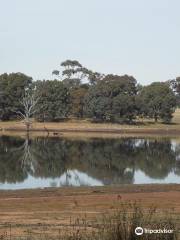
x: 140, y: 231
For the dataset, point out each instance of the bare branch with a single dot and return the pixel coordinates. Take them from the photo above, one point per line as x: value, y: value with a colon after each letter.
x: 29, y: 103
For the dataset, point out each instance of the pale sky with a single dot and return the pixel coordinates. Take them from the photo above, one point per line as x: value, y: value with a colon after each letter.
x: 135, y: 37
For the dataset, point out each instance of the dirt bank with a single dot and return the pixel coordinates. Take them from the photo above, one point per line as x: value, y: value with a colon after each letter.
x: 89, y: 130
x: 86, y: 127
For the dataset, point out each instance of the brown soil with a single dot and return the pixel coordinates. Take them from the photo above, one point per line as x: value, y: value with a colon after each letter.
x: 53, y: 208
x: 89, y: 130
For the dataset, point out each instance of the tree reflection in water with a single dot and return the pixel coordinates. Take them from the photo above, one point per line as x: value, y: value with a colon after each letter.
x: 111, y: 161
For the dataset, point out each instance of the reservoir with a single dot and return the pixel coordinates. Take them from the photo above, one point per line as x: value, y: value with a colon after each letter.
x: 55, y: 162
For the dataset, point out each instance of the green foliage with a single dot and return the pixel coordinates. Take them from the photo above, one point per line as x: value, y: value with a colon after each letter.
x: 77, y: 96
x: 73, y: 74
x: 124, y: 108
x: 71, y: 83
x: 81, y: 92
x: 54, y: 98
x: 157, y: 101
x: 71, y: 63
x: 12, y: 89
x: 112, y: 99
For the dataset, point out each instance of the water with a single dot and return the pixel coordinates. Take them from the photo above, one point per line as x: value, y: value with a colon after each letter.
x: 56, y: 162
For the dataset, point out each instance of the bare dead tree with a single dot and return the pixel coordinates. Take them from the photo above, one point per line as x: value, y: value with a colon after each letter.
x: 27, y: 157
x: 29, y: 103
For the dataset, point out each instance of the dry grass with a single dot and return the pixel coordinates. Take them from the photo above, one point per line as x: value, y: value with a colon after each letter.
x: 84, y: 128
x: 86, y: 124
x: 53, y: 208
x: 117, y: 224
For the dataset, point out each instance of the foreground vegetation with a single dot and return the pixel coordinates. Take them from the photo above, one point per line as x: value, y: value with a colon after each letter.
x: 49, y: 213
x: 119, y: 224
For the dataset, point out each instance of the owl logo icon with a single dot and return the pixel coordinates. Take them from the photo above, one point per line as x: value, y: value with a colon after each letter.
x: 139, y: 231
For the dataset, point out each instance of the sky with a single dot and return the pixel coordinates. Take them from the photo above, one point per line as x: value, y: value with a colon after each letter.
x: 134, y: 37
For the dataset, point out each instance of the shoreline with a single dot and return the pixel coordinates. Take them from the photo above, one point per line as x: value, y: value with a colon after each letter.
x: 121, y: 188
x: 108, y: 131
x: 85, y: 127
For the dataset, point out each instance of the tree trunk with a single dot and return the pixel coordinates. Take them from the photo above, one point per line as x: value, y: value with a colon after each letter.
x: 155, y: 118
x: 27, y: 129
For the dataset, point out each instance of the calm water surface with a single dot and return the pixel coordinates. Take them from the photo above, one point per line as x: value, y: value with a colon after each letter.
x: 56, y: 162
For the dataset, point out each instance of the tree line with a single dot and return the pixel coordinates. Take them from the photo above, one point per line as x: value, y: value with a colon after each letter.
x: 77, y: 92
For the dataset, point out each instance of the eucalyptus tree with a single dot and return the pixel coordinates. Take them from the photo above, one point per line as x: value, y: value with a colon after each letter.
x: 11, y: 90
x: 54, y: 101
x: 70, y: 74
x: 74, y: 74
x: 112, y: 99
x: 77, y: 96
x: 77, y: 79
x: 157, y: 101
